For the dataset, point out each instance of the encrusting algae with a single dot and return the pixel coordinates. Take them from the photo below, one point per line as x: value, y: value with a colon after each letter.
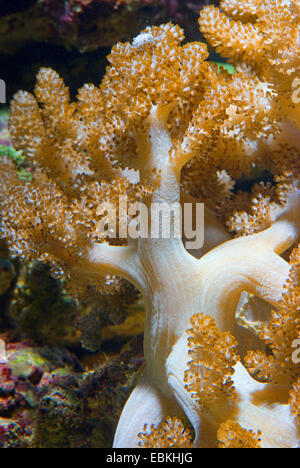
x: 166, y: 125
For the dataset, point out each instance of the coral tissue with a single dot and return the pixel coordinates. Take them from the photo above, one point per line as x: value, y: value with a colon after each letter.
x: 166, y: 125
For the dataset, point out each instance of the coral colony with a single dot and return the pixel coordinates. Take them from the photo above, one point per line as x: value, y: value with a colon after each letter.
x: 167, y: 126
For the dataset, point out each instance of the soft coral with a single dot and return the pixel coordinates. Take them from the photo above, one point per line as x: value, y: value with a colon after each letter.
x: 161, y: 106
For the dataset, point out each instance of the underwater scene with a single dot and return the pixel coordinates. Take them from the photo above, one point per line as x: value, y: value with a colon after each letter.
x: 150, y: 225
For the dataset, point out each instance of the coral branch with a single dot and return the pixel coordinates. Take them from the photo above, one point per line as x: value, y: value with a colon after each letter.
x: 122, y: 261
x: 145, y: 404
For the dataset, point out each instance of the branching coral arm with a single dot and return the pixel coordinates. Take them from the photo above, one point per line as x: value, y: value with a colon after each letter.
x: 176, y: 366
x: 154, y: 143
x: 103, y: 259
x: 253, y: 405
x: 237, y: 266
x: 146, y: 403
x: 255, y: 266
x: 286, y: 230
